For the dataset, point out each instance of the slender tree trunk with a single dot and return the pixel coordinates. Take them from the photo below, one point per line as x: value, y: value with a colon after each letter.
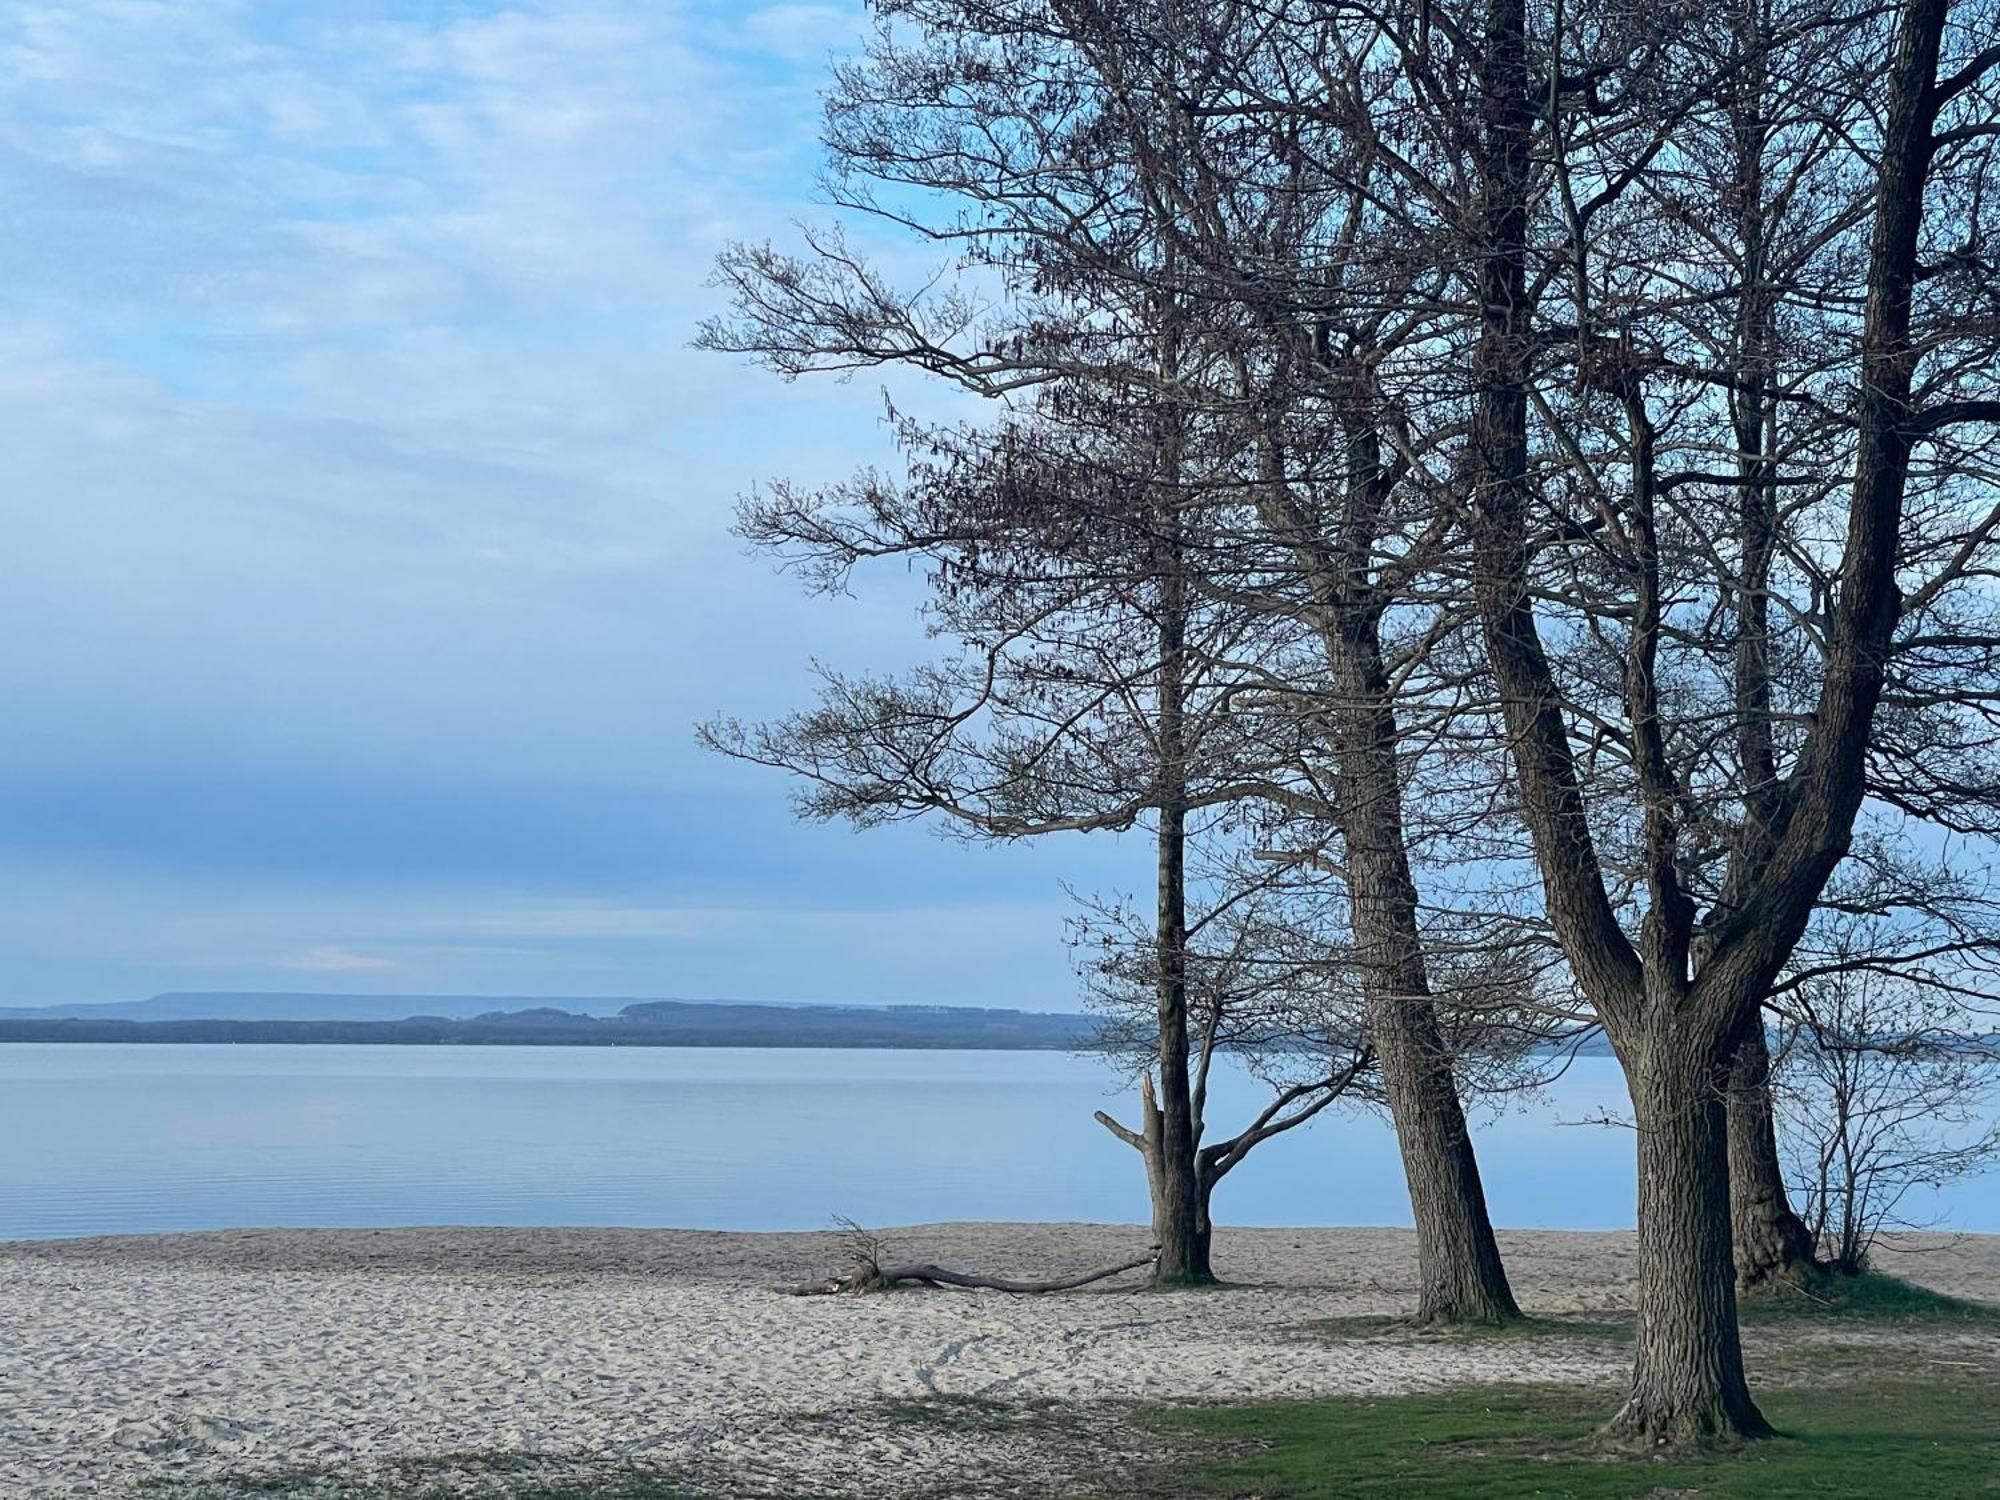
x: 1688, y: 1385
x: 1179, y: 1212
x: 1179, y: 1220
x: 1771, y: 1243
x: 1461, y: 1278
x: 1459, y: 1271
x: 1460, y: 1275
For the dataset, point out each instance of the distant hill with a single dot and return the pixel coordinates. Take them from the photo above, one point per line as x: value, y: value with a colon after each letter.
x: 435, y: 1020
x: 862, y: 1026
x: 258, y: 1005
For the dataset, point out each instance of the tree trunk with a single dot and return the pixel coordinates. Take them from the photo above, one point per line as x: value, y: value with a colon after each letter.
x: 1687, y: 1378
x: 1204, y: 1228
x: 1688, y: 1385
x: 1771, y: 1243
x: 1179, y: 1214
x: 1180, y: 1200
x: 1459, y: 1272
x: 1180, y: 1206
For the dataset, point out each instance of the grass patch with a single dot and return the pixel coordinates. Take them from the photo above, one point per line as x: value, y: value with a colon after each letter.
x: 1871, y: 1295
x: 1848, y: 1431
x: 1940, y: 1441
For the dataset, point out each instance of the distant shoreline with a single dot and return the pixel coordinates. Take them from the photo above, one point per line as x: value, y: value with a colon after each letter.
x: 457, y: 1034
x: 659, y: 1023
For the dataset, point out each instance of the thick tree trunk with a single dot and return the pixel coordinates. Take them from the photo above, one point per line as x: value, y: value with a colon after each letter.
x: 1771, y: 1243
x: 1687, y: 1382
x: 1688, y: 1385
x: 1180, y: 1201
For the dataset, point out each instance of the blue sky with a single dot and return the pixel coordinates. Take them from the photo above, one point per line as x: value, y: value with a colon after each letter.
x: 368, y: 519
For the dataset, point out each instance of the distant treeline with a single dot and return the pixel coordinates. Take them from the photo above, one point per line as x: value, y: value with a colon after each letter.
x: 665, y: 1023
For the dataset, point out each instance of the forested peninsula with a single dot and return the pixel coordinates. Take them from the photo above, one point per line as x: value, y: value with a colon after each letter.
x: 653, y: 1023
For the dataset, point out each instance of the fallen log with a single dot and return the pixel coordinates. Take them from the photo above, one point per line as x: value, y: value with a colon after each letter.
x: 871, y: 1276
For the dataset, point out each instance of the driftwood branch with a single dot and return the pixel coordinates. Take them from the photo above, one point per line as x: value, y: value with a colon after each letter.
x: 871, y: 1275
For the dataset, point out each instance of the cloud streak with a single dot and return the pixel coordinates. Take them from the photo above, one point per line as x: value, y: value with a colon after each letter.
x: 370, y: 510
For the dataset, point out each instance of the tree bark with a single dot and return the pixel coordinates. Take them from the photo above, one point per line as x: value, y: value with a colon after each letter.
x: 1460, y: 1275
x: 1461, y: 1278
x: 1771, y: 1243
x: 1688, y: 1384
x: 1180, y: 1215
x: 1179, y: 1198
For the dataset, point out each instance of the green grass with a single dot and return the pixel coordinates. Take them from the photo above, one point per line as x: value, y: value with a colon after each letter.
x: 1856, y: 1421
x: 1934, y: 1441
x: 1871, y: 1295
x: 1910, y: 1441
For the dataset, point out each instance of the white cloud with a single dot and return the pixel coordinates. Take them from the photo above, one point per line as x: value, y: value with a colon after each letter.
x: 331, y: 960
x: 180, y: 933
x: 351, y: 423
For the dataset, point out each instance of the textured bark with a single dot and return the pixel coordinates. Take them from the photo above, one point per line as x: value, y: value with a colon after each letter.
x: 1688, y: 1385
x: 1770, y: 1242
x: 1460, y: 1275
x: 1179, y: 1197
x: 1461, y: 1278
x: 1180, y: 1214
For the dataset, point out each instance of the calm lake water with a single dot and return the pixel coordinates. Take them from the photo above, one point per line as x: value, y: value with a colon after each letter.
x: 115, y: 1139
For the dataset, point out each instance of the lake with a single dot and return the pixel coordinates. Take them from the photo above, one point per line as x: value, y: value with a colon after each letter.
x: 122, y: 1139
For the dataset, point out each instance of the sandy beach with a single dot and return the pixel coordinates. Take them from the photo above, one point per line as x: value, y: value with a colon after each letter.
x: 472, y: 1360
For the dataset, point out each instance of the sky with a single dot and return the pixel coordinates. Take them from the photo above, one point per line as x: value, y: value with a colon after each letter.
x: 368, y: 518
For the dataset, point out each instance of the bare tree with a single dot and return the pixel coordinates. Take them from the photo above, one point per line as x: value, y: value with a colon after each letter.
x: 1882, y: 1090
x: 1466, y: 341
x: 1678, y: 994
x: 1100, y: 165
x: 1264, y: 994
x: 1091, y: 690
